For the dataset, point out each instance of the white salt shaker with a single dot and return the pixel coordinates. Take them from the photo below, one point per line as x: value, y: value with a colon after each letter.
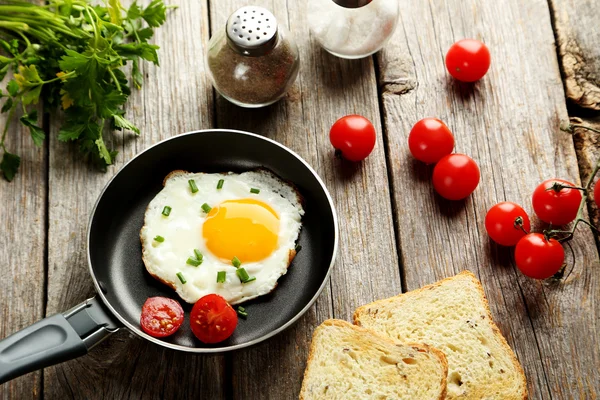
x: 353, y: 28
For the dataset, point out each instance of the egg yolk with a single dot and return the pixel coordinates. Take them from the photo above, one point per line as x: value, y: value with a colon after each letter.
x: 247, y: 229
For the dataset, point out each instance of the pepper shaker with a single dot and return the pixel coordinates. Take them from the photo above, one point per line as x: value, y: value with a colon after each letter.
x: 353, y: 28
x: 254, y: 60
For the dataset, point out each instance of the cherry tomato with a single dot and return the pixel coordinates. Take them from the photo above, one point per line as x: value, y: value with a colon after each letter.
x: 468, y: 60
x: 556, y: 207
x: 537, y: 257
x: 212, y: 319
x: 430, y: 140
x: 597, y: 194
x: 353, y: 136
x: 505, y: 223
x: 161, y: 316
x: 455, y: 176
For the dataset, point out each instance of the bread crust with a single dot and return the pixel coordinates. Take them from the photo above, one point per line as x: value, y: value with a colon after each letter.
x: 468, y: 274
x: 417, y: 346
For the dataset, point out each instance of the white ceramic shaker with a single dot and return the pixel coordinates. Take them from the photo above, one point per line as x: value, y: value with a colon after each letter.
x: 353, y: 28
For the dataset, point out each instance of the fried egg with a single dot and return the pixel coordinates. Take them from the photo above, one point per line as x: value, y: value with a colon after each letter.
x: 225, y: 233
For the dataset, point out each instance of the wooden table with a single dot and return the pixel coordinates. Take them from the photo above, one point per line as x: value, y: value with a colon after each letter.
x: 396, y: 234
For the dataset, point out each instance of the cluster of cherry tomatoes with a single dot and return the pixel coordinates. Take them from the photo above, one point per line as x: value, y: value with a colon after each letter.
x: 212, y: 319
x: 537, y: 255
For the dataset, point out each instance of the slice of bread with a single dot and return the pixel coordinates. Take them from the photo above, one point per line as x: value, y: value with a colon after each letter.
x: 453, y: 315
x: 348, y: 362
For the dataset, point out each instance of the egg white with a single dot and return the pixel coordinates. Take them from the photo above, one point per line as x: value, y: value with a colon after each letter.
x: 182, y: 231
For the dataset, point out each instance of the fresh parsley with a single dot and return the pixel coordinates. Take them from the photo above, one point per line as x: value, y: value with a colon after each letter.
x: 71, y: 54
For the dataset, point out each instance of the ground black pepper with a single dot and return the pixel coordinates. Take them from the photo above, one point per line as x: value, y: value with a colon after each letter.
x: 253, y: 81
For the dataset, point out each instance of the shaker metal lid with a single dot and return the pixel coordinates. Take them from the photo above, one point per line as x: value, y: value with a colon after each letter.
x: 352, y: 3
x: 252, y: 30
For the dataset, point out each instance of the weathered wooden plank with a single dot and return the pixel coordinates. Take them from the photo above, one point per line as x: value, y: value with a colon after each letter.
x: 176, y: 98
x: 22, y: 246
x: 587, y: 146
x: 366, y: 268
x: 578, y: 39
x: 509, y: 123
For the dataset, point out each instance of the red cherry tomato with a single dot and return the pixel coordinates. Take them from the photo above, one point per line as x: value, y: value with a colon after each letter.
x: 455, y: 176
x: 353, y: 136
x: 468, y: 60
x: 505, y: 223
x: 556, y: 207
x: 430, y: 140
x: 597, y: 194
x: 161, y: 316
x: 212, y: 319
x: 537, y: 257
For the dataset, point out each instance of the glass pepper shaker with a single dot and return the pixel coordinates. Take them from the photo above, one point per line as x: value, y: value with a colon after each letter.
x: 254, y: 60
x: 353, y: 28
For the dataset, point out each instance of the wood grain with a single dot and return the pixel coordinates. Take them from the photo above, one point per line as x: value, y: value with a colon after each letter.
x: 327, y: 89
x: 509, y: 123
x: 578, y: 39
x: 176, y: 98
x: 22, y: 247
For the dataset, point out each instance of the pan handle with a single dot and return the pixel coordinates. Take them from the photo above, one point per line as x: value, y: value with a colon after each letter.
x: 55, y: 339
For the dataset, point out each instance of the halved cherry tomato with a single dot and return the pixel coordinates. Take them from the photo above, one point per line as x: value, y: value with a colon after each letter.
x: 430, y: 140
x: 468, y: 60
x: 506, y: 223
x: 455, y: 176
x: 161, y: 316
x: 353, y: 136
x: 212, y: 319
x: 556, y: 207
x: 538, y: 257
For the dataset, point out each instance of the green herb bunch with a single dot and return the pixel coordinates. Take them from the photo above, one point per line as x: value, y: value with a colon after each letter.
x: 71, y: 54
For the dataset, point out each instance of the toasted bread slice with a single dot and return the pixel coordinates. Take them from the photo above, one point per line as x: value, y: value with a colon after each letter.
x: 453, y: 315
x: 348, y: 362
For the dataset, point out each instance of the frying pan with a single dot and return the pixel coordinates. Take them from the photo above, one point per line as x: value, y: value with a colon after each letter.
x: 122, y: 283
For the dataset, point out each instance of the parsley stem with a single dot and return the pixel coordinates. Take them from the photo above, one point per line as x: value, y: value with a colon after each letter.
x: 62, y: 77
x: 115, y: 80
x: 11, y: 113
x: 96, y: 31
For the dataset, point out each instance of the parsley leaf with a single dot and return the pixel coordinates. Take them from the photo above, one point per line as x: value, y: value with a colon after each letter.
x: 155, y: 14
x: 123, y: 123
x: 9, y: 165
x: 37, y: 133
x: 12, y: 88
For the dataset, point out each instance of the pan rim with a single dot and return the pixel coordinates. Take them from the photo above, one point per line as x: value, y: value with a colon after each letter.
x: 200, y: 350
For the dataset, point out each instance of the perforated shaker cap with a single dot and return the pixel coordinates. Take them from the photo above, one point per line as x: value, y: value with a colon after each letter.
x: 252, y: 30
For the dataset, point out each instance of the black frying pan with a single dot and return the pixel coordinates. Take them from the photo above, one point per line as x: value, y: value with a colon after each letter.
x: 122, y: 283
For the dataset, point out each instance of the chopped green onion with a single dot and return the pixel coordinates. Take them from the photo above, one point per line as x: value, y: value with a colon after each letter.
x: 193, y: 185
x: 166, y: 211
x: 206, y: 208
x: 159, y: 239
x: 181, y: 278
x: 236, y: 262
x: 221, y: 276
x: 255, y: 191
x: 199, y: 255
x: 242, y: 312
x: 220, y: 184
x: 193, y: 262
x: 243, y: 275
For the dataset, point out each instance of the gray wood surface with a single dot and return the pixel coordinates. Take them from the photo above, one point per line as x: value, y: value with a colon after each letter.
x: 22, y: 247
x: 509, y: 123
x: 327, y: 89
x: 578, y: 39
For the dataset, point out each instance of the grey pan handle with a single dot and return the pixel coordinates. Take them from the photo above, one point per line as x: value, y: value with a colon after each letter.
x: 55, y: 339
